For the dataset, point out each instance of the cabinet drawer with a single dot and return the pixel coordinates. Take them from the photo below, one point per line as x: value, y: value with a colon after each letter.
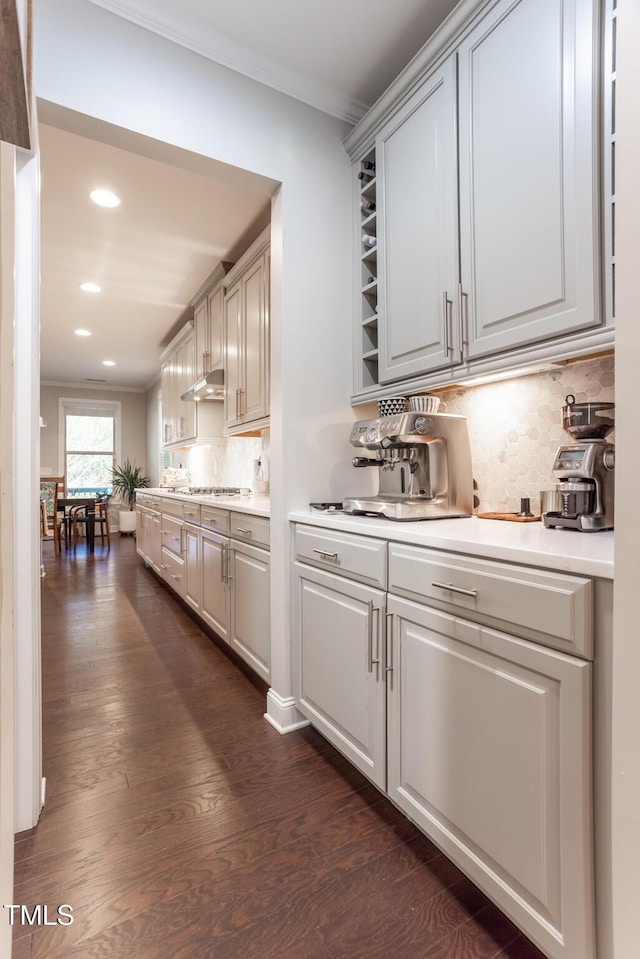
x: 251, y: 529
x: 212, y: 518
x: 172, y: 569
x: 191, y: 513
x: 358, y: 557
x: 171, y: 532
x: 173, y: 507
x: 550, y: 608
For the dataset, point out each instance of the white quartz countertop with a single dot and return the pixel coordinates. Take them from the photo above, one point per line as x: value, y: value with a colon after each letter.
x: 587, y: 554
x: 252, y: 503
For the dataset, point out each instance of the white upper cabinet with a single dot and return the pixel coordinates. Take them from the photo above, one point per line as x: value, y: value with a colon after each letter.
x: 487, y: 239
x: 208, y: 319
x: 528, y: 196
x: 246, y: 325
x: 417, y: 217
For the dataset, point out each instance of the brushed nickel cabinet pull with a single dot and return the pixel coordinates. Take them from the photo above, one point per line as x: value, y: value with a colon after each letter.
x: 463, y: 317
x: 389, y: 642
x: 372, y: 662
x: 248, y: 532
x: 456, y: 589
x: 446, y: 315
x: 325, y: 553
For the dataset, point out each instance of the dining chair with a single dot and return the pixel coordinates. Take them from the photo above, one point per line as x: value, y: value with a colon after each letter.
x: 78, y: 516
x: 52, y: 489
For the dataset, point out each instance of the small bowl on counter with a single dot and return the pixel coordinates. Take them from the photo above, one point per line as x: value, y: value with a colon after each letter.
x: 425, y: 403
x: 392, y: 405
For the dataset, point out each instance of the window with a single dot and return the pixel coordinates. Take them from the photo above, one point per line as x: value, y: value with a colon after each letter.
x: 89, y: 437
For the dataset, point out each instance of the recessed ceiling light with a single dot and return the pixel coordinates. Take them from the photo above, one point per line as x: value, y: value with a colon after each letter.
x: 108, y: 363
x: 82, y: 332
x: 90, y: 287
x: 105, y: 198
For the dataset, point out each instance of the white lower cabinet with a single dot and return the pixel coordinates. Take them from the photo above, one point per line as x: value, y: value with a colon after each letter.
x: 216, y: 606
x: 148, y: 535
x: 250, y: 606
x: 192, y: 551
x: 489, y: 753
x: 202, y: 554
x: 482, y: 737
x: 341, y: 677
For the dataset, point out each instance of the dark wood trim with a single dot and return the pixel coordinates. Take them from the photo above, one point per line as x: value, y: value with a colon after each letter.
x: 14, y: 107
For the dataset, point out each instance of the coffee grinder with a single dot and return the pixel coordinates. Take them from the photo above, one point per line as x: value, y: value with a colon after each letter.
x: 585, y: 469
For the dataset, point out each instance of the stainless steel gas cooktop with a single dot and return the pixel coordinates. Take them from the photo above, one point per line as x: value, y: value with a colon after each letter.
x: 212, y: 491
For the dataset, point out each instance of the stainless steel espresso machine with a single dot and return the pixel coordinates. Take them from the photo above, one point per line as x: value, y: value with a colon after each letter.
x: 585, y: 469
x: 423, y: 461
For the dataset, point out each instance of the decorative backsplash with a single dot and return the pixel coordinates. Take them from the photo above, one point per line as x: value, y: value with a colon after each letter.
x: 227, y: 462
x: 515, y: 428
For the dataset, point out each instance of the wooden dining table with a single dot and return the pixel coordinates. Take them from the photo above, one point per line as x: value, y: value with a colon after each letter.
x: 65, y: 514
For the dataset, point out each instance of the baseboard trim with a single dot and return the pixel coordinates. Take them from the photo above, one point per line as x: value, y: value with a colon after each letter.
x: 282, y: 713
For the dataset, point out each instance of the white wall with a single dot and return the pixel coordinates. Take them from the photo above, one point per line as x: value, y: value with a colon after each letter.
x: 626, y: 650
x: 89, y: 61
x: 133, y: 425
x: 153, y: 450
x: 7, y: 725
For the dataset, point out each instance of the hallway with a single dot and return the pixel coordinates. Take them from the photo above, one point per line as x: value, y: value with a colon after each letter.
x: 180, y: 825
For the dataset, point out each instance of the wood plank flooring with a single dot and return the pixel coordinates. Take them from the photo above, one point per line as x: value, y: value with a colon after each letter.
x: 180, y: 825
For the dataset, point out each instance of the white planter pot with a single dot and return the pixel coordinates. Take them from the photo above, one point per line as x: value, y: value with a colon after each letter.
x: 127, y: 521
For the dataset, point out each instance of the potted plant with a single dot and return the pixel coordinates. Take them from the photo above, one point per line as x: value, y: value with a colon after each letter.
x: 125, y: 480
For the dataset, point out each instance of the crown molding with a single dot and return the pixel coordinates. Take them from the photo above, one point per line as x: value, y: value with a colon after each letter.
x: 84, y: 385
x: 202, y: 39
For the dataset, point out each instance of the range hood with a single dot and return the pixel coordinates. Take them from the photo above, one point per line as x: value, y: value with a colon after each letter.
x: 209, y: 387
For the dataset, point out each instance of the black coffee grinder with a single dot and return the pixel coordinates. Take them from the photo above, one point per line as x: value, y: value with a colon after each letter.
x: 585, y: 469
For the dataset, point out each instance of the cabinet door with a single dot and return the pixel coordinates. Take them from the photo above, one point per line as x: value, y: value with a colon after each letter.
x: 153, y: 541
x: 253, y: 398
x: 417, y: 230
x: 167, y: 397
x: 141, y: 515
x: 340, y: 633
x: 251, y: 605
x: 489, y: 753
x: 191, y: 539
x: 528, y: 183
x: 201, y: 322
x: 233, y: 365
x: 216, y: 328
x: 215, y: 586
x: 185, y: 377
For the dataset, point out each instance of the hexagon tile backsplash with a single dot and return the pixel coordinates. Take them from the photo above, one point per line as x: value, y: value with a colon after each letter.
x: 515, y: 428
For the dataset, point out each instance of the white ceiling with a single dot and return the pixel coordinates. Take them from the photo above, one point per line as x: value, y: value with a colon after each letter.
x: 149, y: 255
x: 152, y: 253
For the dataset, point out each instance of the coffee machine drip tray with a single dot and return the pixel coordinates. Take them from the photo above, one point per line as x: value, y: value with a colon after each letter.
x: 401, y: 508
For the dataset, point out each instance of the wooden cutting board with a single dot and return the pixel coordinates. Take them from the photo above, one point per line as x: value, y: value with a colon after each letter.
x: 510, y: 517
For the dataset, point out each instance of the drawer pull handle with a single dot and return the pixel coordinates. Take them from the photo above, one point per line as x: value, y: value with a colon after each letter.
x: 325, y: 553
x: 248, y: 532
x: 456, y: 589
x: 389, y: 639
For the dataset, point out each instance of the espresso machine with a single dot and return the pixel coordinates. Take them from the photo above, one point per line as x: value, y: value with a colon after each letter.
x: 423, y: 462
x: 585, y: 469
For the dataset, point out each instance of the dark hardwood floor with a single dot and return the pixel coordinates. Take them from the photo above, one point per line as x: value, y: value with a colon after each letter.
x: 179, y: 825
